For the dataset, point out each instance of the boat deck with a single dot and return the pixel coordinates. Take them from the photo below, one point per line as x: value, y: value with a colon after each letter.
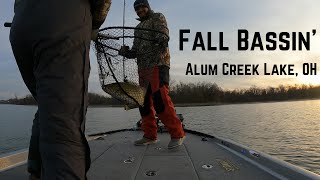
x: 115, y: 157
x: 109, y: 160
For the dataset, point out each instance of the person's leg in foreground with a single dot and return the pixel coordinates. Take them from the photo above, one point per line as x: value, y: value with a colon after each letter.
x: 54, y: 49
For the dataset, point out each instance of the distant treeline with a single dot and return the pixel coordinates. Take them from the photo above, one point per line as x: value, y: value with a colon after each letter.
x: 94, y: 99
x: 189, y: 93
x: 212, y: 93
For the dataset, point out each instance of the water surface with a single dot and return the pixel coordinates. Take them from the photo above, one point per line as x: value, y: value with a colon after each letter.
x: 287, y: 130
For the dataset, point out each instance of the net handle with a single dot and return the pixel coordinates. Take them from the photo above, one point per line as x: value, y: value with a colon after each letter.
x: 7, y: 24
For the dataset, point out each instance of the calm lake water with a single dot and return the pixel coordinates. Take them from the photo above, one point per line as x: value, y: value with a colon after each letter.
x: 287, y: 130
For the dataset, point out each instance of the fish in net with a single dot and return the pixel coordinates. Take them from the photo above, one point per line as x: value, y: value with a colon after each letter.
x: 119, y: 74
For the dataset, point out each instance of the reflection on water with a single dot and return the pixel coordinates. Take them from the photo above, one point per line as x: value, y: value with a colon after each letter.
x: 287, y: 130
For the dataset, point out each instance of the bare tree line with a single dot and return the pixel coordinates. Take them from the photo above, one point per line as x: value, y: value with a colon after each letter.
x: 212, y: 93
x: 190, y: 93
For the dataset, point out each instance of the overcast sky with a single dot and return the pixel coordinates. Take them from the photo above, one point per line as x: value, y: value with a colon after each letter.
x: 202, y: 16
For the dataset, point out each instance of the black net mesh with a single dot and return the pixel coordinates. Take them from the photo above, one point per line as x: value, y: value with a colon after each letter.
x: 119, y: 75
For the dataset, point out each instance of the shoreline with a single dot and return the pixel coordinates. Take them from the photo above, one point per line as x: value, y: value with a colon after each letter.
x: 191, y: 104
x: 238, y: 103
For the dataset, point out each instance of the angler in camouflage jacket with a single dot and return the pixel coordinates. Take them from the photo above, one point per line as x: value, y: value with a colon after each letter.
x: 154, y: 75
x: 50, y: 40
x: 155, y: 22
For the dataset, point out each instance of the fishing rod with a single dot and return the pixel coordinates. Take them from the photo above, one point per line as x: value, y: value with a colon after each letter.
x: 123, y: 23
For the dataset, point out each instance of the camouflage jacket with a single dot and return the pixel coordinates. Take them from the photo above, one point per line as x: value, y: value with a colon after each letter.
x: 154, y: 21
x: 99, y: 11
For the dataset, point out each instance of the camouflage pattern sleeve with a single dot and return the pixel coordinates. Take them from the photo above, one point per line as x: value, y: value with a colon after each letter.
x: 135, y: 43
x: 99, y: 10
x: 133, y: 52
x: 160, y: 24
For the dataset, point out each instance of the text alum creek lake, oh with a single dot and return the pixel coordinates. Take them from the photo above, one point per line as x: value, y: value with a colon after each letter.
x: 249, y: 69
x: 287, y: 130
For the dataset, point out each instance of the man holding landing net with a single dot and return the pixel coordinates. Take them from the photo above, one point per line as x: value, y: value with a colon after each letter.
x: 154, y: 77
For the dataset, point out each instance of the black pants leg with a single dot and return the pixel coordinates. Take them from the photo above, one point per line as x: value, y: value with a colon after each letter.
x: 51, y: 40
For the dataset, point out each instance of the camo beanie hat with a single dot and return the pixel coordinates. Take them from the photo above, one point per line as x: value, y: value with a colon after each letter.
x: 138, y: 3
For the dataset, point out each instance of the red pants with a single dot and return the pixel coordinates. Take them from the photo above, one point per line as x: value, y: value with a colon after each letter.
x: 158, y: 101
